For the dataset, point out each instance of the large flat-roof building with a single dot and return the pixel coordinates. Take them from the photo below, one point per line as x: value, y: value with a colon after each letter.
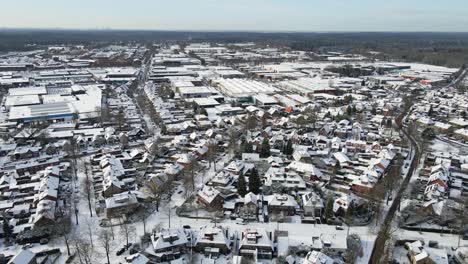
x: 196, y: 91
x: 308, y: 86
x: 34, y: 106
x: 241, y: 89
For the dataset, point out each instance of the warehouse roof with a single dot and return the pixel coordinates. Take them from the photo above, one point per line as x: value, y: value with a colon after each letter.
x: 27, y: 90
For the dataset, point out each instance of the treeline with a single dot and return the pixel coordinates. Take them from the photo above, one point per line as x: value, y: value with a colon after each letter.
x: 446, y: 49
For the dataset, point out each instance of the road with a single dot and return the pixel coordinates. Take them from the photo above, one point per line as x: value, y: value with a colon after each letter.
x: 379, y: 245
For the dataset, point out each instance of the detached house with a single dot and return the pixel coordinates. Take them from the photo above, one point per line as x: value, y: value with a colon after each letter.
x: 210, y: 197
x: 312, y: 204
x: 250, y: 207
x: 282, y: 204
x: 213, y: 240
x: 256, y: 244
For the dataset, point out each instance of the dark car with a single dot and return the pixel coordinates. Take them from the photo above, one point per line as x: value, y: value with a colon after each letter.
x: 120, y: 251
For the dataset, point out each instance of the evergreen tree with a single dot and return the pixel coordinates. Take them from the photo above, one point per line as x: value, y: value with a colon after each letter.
x: 431, y: 111
x: 163, y: 129
x: 254, y: 182
x: 349, y: 111
x: 389, y: 123
x: 329, y: 209
x: 288, y: 148
x: 241, y: 188
x: 247, y: 147
x: 265, y: 151
x: 7, y: 229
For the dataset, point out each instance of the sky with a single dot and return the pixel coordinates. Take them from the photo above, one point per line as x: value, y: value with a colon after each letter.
x: 242, y: 15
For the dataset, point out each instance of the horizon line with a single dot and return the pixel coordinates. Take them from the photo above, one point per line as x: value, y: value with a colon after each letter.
x: 219, y: 30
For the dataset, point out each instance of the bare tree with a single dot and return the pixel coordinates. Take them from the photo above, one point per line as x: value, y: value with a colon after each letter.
x: 123, y: 139
x: 88, y: 189
x: 375, y: 198
x: 99, y: 115
x: 211, y: 154
x: 90, y: 226
x: 192, y: 170
x: 120, y: 117
x: 310, y: 116
x: 43, y: 137
x: 127, y: 230
x: 144, y: 214
x: 71, y: 149
x: 154, y: 148
x: 169, y: 212
x: 75, y: 206
x: 105, y: 241
x: 84, y: 251
x: 462, y: 216
x: 233, y: 138
x: 250, y: 123
x: 62, y: 228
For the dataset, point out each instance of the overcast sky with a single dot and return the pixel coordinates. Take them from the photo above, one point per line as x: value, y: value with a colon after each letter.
x: 252, y: 15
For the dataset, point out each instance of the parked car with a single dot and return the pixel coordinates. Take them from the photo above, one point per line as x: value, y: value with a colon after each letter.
x: 28, y: 245
x: 240, y: 221
x: 120, y: 251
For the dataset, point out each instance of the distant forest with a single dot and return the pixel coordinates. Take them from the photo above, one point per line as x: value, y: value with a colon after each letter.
x: 445, y: 49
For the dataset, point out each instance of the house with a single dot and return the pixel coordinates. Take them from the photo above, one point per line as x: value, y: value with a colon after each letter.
x: 222, y: 179
x: 322, y: 142
x: 336, y: 143
x: 317, y: 257
x: 342, y: 159
x: 302, y: 155
x: 157, y: 182
x: 312, y: 204
x: 211, y: 238
x: 169, y: 244
x: 256, y: 244
x: 136, y: 133
x: 210, y: 197
x: 235, y: 167
x: 308, y: 171
x: 120, y: 204
x: 290, y: 180
x: 250, y: 207
x: 419, y: 254
x: 282, y: 204
x: 438, y: 182
x: 356, y: 145
x: 6, y: 148
x: 26, y: 152
x: 340, y: 205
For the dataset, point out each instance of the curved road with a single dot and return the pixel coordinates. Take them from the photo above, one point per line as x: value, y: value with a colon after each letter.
x: 379, y: 245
